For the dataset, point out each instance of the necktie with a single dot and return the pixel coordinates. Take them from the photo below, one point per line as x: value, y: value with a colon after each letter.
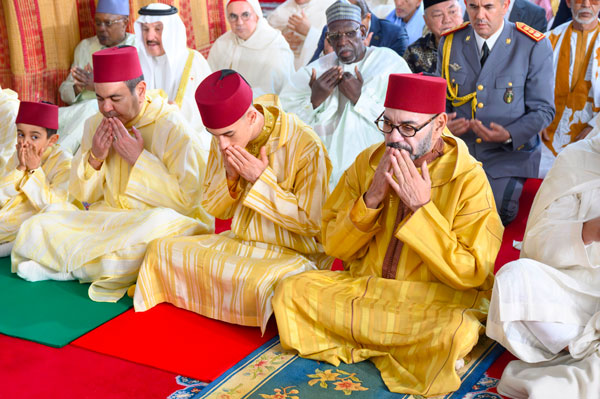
x: 485, y: 52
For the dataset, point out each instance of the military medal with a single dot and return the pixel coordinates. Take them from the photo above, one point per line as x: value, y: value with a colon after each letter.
x: 508, y: 95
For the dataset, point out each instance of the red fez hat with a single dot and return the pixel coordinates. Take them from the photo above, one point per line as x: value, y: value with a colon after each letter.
x: 223, y: 98
x: 38, y: 114
x: 416, y: 93
x: 116, y: 64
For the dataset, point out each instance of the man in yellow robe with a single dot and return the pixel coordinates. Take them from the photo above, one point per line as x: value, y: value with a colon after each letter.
x: 269, y: 171
x: 37, y: 174
x: 418, y: 249
x: 576, y: 64
x: 140, y: 171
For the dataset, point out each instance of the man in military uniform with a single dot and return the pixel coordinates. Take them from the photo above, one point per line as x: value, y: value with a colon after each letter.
x: 500, y: 96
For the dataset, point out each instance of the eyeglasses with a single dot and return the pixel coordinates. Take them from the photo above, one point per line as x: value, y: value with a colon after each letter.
x: 244, y: 17
x: 335, y: 37
x: 108, y: 23
x: 592, y: 2
x: 405, y: 129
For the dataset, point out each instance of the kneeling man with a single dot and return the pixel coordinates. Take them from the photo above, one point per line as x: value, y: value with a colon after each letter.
x: 140, y: 171
x: 37, y: 174
x: 418, y: 248
x: 268, y: 171
x: 545, y: 307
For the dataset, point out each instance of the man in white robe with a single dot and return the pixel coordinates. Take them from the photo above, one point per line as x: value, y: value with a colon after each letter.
x: 141, y: 172
x: 253, y: 48
x: 545, y: 307
x: 301, y: 22
x: 111, y: 19
x: 341, y: 94
x: 168, y: 64
x: 576, y: 64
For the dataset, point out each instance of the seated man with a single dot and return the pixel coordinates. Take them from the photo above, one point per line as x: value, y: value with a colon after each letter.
x: 111, y: 19
x: 253, y: 48
x: 301, y: 22
x: 381, y: 33
x: 9, y: 107
x: 500, y: 96
x: 418, y: 249
x: 168, y: 64
x: 408, y: 14
x: 267, y: 170
x: 576, y: 45
x: 439, y: 16
x: 141, y: 173
x: 37, y: 174
x: 341, y: 94
x: 545, y: 307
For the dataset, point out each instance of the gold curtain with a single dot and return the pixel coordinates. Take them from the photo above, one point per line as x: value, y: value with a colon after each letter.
x: 38, y: 37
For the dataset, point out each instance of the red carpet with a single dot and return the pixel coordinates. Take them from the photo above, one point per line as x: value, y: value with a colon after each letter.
x: 31, y: 370
x: 516, y: 229
x: 176, y: 340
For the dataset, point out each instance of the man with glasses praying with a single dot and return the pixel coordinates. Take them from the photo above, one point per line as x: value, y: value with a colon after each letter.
x: 414, y: 221
x: 341, y: 94
x: 110, y: 20
x: 253, y: 48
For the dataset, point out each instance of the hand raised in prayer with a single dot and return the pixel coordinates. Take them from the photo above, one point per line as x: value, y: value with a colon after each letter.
x: 21, y: 157
x: 293, y: 40
x: 495, y: 134
x: 379, y: 187
x: 299, y: 23
x: 458, y: 126
x: 351, y: 86
x: 583, y: 134
x: 84, y: 78
x: 230, y: 171
x: 101, y: 143
x: 323, y: 86
x: 367, y: 40
x: 32, y: 156
x: 246, y: 164
x: 127, y: 146
x: 412, y: 188
x: 545, y: 135
x: 591, y: 231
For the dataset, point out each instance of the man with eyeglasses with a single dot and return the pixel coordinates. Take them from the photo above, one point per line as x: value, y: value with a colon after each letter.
x: 500, y: 96
x: 341, y: 94
x: 253, y: 48
x: 439, y: 16
x: 576, y: 67
x: 111, y: 20
x: 413, y: 219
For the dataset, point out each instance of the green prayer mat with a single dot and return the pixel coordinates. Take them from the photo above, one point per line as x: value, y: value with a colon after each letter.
x: 52, y: 313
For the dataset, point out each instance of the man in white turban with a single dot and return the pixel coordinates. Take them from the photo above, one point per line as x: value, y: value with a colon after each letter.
x: 168, y: 64
x: 253, y: 48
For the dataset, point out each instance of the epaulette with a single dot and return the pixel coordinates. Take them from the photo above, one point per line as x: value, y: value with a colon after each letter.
x: 456, y: 28
x: 529, y: 31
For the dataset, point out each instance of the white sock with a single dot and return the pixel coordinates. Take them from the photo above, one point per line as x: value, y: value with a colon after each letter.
x: 32, y: 271
x: 554, y: 336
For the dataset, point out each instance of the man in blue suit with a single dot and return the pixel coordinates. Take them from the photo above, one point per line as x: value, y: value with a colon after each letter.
x: 382, y: 33
x: 501, y: 95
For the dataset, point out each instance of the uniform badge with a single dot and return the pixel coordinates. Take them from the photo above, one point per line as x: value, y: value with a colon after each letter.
x: 455, y: 67
x: 508, y: 95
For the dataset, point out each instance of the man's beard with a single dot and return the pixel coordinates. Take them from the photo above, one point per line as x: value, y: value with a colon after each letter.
x: 423, y: 146
x: 582, y: 21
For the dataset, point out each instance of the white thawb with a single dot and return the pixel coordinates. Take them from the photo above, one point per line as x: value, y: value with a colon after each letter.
x: 345, y: 128
x: 550, y: 298
x: 315, y: 12
x: 264, y: 60
x: 577, y: 92
x: 178, y: 72
x: 9, y: 107
x: 71, y: 119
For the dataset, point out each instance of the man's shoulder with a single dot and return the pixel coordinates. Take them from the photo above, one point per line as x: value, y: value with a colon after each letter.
x: 464, y: 27
x: 528, y: 31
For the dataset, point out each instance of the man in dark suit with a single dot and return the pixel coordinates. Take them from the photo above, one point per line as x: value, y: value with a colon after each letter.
x: 382, y: 33
x: 526, y: 12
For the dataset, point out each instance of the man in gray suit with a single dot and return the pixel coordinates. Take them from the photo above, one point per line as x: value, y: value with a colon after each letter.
x: 501, y: 91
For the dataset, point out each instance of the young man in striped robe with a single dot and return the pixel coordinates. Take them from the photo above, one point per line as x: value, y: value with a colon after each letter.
x: 418, y: 248
x: 269, y: 172
x: 141, y: 173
